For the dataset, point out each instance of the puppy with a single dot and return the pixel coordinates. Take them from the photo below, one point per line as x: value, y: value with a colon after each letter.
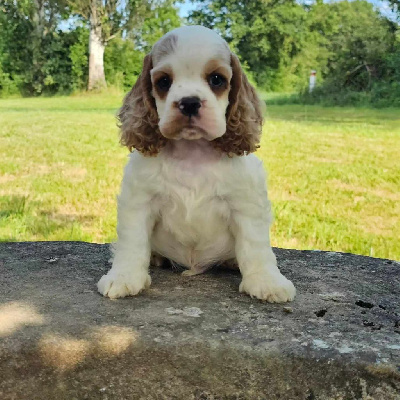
x: 193, y: 192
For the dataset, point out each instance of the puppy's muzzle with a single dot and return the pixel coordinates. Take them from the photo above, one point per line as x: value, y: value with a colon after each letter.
x: 189, y: 106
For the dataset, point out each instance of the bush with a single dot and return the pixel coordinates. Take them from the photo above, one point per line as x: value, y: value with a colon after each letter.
x: 9, y: 85
x: 79, y: 56
x: 382, y: 91
x: 122, y: 63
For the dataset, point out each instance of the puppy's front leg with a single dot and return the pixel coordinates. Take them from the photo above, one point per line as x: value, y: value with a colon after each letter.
x: 129, y: 274
x: 261, y: 277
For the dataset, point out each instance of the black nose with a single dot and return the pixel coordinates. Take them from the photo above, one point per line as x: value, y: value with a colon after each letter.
x: 189, y: 106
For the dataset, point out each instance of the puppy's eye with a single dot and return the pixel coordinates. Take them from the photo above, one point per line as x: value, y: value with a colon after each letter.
x: 216, y: 81
x: 164, y: 83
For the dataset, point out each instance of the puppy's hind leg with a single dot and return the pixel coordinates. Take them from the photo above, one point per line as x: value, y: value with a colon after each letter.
x: 231, y: 264
x: 196, y: 270
x: 156, y: 260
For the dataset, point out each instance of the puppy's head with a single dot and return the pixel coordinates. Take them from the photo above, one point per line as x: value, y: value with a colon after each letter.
x: 191, y: 87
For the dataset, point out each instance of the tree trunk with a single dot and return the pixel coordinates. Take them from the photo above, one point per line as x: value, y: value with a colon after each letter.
x: 97, y: 78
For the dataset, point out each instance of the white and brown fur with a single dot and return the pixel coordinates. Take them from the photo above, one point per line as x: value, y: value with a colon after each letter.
x: 193, y: 192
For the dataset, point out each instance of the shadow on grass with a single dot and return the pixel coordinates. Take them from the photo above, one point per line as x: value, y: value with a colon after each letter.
x: 12, y: 205
x: 20, y: 218
x: 66, y: 218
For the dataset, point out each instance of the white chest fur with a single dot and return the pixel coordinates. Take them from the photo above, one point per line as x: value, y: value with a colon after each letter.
x: 193, y: 217
x: 192, y: 193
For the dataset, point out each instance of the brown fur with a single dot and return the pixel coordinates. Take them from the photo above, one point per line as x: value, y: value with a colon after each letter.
x: 243, y: 116
x: 139, y: 120
x: 138, y: 116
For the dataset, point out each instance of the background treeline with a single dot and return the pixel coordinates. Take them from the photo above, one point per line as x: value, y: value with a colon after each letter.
x: 44, y: 44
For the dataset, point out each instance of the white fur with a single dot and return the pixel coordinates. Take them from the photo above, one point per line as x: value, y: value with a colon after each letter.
x: 193, y: 204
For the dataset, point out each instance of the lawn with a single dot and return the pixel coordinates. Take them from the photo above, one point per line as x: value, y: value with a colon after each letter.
x: 334, y: 174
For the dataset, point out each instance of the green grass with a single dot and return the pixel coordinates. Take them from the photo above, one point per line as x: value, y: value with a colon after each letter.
x: 334, y: 176
x: 278, y: 98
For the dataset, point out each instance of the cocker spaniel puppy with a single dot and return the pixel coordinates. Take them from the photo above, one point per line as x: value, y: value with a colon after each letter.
x: 193, y: 192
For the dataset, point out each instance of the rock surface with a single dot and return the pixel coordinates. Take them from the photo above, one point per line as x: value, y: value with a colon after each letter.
x: 196, y: 337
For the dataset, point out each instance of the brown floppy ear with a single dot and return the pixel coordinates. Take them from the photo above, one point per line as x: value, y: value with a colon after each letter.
x: 138, y: 116
x: 243, y: 116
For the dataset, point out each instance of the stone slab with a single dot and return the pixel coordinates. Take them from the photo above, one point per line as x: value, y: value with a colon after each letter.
x: 196, y: 337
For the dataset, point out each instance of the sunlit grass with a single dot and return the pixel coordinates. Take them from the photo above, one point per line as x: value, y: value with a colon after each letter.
x: 334, y: 176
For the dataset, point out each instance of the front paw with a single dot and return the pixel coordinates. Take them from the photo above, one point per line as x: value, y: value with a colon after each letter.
x: 272, y: 288
x: 115, y: 285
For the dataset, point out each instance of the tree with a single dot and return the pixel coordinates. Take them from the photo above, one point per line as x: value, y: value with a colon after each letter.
x: 27, y: 29
x: 124, y: 56
x: 395, y: 5
x: 347, y: 42
x: 162, y: 18
x: 37, y: 56
x: 271, y: 37
x: 107, y: 19
x: 359, y: 40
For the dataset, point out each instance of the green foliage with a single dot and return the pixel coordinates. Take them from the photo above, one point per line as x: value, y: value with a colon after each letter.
x: 15, y: 55
x: 9, y: 85
x: 34, y: 54
x: 358, y: 43
x: 122, y: 63
x: 273, y: 38
x: 112, y: 16
x: 36, y: 57
x: 123, y: 58
x: 162, y: 17
x: 78, y: 54
x: 135, y: 19
x: 349, y: 43
x: 353, y: 48
x: 363, y: 54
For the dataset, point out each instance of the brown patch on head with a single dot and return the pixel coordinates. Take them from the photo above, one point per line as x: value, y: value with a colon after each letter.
x: 138, y: 116
x: 216, y: 67
x: 243, y: 116
x: 165, y: 73
x: 164, y: 47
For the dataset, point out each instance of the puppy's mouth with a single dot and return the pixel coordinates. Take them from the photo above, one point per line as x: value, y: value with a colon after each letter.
x: 187, y: 128
x: 192, y: 132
